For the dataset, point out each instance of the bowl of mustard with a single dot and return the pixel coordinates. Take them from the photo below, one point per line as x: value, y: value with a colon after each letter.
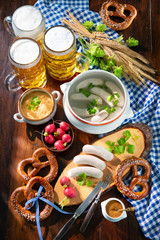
x: 37, y: 106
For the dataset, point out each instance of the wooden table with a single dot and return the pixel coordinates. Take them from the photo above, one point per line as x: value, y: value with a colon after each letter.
x: 18, y: 140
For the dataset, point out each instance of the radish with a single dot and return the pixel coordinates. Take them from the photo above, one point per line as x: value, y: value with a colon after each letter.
x: 66, y: 138
x: 65, y: 181
x: 64, y: 126
x: 58, y: 133
x: 49, y: 139
x: 59, y: 145
x: 50, y: 128
x: 69, y: 192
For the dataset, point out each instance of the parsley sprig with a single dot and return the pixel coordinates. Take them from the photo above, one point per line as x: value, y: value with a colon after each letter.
x: 122, y: 144
x: 34, y: 103
x: 83, y: 180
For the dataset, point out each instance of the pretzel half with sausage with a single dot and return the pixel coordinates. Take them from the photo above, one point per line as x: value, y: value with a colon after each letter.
x: 137, y: 179
x: 27, y: 192
x: 119, y: 12
x: 38, y: 165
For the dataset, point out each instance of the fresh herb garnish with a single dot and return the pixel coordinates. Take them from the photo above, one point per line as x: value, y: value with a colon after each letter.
x: 83, y: 180
x: 85, y: 91
x: 122, y: 144
x: 34, y: 103
x: 132, y: 42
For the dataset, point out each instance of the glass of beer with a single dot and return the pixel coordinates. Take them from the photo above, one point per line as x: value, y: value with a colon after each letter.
x: 26, y: 58
x: 27, y: 21
x: 61, y: 57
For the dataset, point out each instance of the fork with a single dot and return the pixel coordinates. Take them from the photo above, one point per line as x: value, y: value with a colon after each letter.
x: 94, y: 205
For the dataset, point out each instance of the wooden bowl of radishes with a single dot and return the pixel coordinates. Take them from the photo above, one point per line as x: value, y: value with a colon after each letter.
x: 57, y: 136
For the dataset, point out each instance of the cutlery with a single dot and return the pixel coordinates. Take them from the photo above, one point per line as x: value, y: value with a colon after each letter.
x: 94, y: 205
x: 79, y: 211
x: 130, y: 209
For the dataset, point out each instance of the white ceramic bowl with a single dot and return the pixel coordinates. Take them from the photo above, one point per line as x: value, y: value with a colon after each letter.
x: 20, y: 117
x: 105, y: 214
x: 87, y: 126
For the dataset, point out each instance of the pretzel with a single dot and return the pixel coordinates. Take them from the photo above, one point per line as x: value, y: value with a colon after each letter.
x: 38, y: 165
x: 106, y: 14
x: 28, y: 194
x: 137, y: 179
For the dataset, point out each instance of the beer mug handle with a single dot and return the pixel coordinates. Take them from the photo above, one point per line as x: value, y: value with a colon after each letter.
x: 82, y: 63
x: 8, y: 25
x: 9, y: 79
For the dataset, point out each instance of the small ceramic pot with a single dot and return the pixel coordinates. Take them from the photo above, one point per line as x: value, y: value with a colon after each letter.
x: 108, y: 217
x: 87, y: 126
x: 20, y: 117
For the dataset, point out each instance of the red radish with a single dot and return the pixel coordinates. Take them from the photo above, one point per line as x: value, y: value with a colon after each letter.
x: 59, y: 145
x: 70, y: 192
x: 49, y: 139
x: 65, y: 181
x: 50, y: 128
x: 64, y: 126
x: 58, y: 133
x: 66, y: 138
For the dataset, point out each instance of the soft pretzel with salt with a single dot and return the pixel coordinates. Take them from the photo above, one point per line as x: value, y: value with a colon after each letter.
x: 137, y: 179
x: 118, y: 12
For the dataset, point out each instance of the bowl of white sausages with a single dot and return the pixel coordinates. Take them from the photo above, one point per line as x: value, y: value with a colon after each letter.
x: 96, y: 102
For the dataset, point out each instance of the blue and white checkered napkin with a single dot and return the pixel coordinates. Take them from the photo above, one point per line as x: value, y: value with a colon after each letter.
x: 145, y: 103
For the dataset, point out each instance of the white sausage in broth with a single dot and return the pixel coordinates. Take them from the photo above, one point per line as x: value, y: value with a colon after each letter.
x: 98, y: 151
x: 82, y: 112
x: 87, y: 82
x: 89, y: 171
x: 99, y: 117
x: 82, y: 97
x: 114, y: 89
x: 89, y: 160
x: 102, y: 93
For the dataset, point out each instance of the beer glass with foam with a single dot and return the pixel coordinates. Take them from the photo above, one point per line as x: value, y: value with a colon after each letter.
x: 27, y: 21
x: 61, y: 57
x: 26, y: 58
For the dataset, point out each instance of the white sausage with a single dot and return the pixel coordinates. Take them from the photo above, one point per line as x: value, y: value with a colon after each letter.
x: 89, y: 160
x: 101, y: 93
x: 112, y: 86
x: 82, y: 97
x: 85, y: 83
x: 115, y: 113
x: 89, y: 171
x: 82, y: 112
x: 99, y: 117
x: 98, y: 151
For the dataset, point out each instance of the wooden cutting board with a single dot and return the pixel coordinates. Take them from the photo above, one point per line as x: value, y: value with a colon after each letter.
x: 142, y: 147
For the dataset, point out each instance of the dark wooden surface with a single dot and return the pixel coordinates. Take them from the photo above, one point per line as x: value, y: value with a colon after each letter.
x: 18, y: 140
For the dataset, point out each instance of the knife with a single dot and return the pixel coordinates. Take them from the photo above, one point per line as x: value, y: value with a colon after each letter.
x: 79, y: 211
x: 94, y: 205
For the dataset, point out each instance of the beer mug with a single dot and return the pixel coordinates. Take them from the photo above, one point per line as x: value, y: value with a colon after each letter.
x: 61, y: 57
x: 27, y: 21
x: 26, y: 58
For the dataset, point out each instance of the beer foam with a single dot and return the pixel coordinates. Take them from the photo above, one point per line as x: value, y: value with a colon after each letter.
x: 27, y: 18
x: 24, y: 51
x: 59, y: 39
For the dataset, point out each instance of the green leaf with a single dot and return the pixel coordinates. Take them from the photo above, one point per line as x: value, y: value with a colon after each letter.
x: 86, y: 92
x: 119, y: 149
x: 119, y: 39
x: 127, y: 134
x: 110, y: 98
x: 116, y: 95
x: 101, y: 27
x: 132, y: 42
x: 88, y: 25
x: 121, y: 141
x: 89, y: 183
x: 105, y: 107
x: 110, y: 144
x: 117, y: 70
x: 115, y: 102
x: 103, y: 65
x: 130, y: 149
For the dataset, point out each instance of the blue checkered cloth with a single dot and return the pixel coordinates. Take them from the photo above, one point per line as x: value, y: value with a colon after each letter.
x: 145, y: 103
